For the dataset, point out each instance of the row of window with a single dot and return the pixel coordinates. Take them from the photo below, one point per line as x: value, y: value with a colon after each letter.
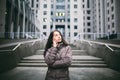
x: 61, y: 20
x: 32, y: 3
x: 75, y: 27
x: 76, y: 33
x: 63, y: 0
x: 112, y: 25
x: 60, y: 6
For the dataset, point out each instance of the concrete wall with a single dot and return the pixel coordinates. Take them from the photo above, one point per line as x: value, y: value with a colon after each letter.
x: 112, y: 58
x: 2, y: 17
x: 10, y: 59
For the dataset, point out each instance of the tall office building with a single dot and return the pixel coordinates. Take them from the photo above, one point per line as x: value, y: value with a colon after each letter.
x: 101, y: 18
x: 117, y: 17
x: 90, y: 19
x: 87, y: 6
x: 35, y: 7
x: 110, y: 16
x: 63, y: 15
x: 17, y: 20
x: 112, y: 10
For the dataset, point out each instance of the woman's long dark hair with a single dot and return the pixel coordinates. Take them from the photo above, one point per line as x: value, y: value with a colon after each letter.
x: 50, y: 41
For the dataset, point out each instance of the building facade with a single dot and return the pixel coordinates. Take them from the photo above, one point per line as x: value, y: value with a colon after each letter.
x: 101, y: 19
x: 17, y: 20
x: 63, y: 15
x: 86, y: 19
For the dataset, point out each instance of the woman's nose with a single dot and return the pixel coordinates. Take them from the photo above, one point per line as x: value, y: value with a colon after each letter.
x: 59, y: 36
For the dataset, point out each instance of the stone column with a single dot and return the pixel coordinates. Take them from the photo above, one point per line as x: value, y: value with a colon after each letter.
x: 3, y: 13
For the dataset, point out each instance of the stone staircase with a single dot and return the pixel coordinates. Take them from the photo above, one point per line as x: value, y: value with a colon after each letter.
x: 80, y: 59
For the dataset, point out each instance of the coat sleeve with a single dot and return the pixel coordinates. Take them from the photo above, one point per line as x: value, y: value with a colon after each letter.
x: 51, y: 55
x: 64, y: 61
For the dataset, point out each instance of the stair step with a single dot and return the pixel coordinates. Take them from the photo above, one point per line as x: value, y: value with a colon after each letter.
x: 77, y: 62
x: 32, y: 61
x: 74, y: 57
x: 75, y: 52
x: 79, y: 52
x: 73, y: 65
x: 74, y: 60
x: 88, y: 62
x: 89, y: 65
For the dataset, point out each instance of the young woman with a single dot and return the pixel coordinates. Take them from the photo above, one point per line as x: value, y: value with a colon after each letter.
x: 58, y: 56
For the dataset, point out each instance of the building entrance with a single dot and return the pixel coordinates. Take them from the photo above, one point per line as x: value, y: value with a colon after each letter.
x: 61, y: 28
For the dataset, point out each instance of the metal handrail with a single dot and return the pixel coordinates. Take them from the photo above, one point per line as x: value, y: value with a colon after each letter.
x: 89, y: 43
x: 101, y: 43
x: 18, y: 44
x: 16, y: 47
x: 11, y: 49
x: 109, y: 47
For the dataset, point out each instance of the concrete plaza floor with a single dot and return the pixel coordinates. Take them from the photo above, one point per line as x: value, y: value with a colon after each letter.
x: 39, y: 73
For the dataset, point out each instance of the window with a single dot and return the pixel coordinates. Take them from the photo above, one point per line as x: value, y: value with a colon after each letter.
x: 36, y: 11
x: 32, y: 11
x: 88, y: 4
x: 45, y: 33
x: 75, y: 27
x: 51, y: 5
x: 108, y: 26
x: 75, y: 6
x: 108, y: 11
x: 88, y: 11
x: 59, y: 1
x: 84, y: 24
x: 108, y: 19
x: 84, y: 30
x: 113, y: 25
x: 44, y: 19
x: 45, y: 5
x: 51, y: 13
x: 89, y: 36
x: 32, y: 3
x: 68, y: 26
x: 44, y: 26
x: 113, y: 32
x: 88, y: 24
x: 75, y: 0
x: 37, y: 6
x: 60, y: 6
x: 75, y: 33
x: 60, y: 20
x: 88, y: 30
x: 75, y: 12
x: 112, y: 16
x: 68, y: 20
x: 45, y: 13
x: 112, y: 8
x: 107, y: 4
x: 75, y: 19
x: 60, y: 14
x: 83, y: 5
x: 111, y: 1
x: 88, y: 18
x: 68, y: 6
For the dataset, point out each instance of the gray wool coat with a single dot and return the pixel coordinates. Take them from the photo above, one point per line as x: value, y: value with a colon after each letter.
x: 58, y: 61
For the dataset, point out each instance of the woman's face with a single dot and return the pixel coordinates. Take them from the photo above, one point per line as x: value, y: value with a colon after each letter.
x: 57, y: 37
